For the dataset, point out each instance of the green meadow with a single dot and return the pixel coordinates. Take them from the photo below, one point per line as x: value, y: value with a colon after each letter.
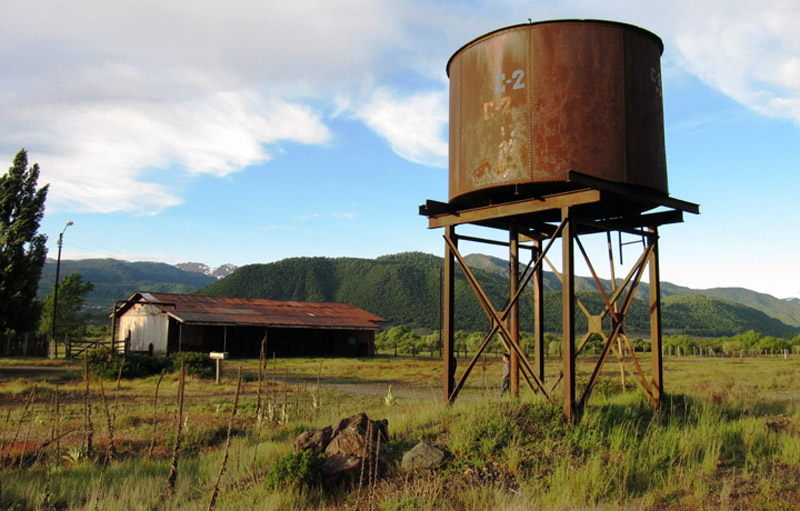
x: 727, y: 437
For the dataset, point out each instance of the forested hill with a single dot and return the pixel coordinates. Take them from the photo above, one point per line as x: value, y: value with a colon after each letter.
x: 786, y: 311
x: 115, y: 280
x: 404, y: 289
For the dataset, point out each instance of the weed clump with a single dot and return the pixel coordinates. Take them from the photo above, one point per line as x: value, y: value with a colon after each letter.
x: 299, y: 469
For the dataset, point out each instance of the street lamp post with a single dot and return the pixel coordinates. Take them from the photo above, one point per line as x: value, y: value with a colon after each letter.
x: 55, y: 288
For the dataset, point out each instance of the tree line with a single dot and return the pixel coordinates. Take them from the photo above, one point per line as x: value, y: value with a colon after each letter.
x: 401, y: 340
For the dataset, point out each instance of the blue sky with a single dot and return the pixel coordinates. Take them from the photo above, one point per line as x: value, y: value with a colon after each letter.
x: 248, y: 132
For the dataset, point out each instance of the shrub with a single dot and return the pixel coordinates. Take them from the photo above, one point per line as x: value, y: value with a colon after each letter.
x: 104, y: 363
x: 197, y: 364
x: 301, y: 468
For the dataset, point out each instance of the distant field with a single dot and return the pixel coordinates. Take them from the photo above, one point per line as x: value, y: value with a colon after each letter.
x: 728, y: 437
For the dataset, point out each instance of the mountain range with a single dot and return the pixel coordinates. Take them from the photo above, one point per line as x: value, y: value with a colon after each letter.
x: 404, y: 289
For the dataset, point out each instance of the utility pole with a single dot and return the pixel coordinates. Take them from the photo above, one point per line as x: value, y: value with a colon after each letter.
x: 55, y: 288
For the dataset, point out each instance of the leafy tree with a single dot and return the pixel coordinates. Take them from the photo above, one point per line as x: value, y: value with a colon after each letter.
x: 72, y: 292
x: 731, y: 348
x: 22, y: 249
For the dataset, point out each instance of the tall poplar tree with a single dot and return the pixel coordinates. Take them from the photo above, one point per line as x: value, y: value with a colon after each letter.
x: 22, y: 248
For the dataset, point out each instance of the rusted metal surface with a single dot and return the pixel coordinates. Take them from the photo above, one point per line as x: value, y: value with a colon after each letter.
x: 530, y: 103
x: 214, y: 310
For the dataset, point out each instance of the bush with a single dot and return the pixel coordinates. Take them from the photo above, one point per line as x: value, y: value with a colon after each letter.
x: 197, y: 364
x: 104, y: 363
x: 301, y: 468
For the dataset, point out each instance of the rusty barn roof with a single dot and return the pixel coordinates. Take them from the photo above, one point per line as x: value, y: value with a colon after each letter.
x: 216, y: 310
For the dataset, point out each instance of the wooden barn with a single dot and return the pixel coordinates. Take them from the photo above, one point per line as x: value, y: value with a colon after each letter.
x: 162, y: 323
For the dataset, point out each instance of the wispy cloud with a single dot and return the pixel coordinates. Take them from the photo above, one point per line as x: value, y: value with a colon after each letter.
x: 414, y: 125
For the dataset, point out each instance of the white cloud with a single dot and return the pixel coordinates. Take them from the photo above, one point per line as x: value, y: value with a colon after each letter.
x: 748, y: 50
x: 414, y: 125
x: 110, y: 98
x: 104, y: 155
x: 122, y: 101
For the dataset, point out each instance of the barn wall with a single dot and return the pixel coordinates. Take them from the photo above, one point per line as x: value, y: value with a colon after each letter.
x: 144, y: 325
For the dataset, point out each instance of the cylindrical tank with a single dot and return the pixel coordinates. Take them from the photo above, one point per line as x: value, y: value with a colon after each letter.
x: 529, y: 103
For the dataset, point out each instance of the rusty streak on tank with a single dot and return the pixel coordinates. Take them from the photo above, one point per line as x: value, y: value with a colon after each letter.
x: 530, y: 103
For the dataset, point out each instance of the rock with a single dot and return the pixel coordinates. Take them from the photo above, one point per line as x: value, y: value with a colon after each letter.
x: 346, y: 445
x: 422, y: 456
x: 316, y: 440
x: 348, y: 442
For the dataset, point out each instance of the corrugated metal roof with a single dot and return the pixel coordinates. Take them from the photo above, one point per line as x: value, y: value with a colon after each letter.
x: 216, y: 310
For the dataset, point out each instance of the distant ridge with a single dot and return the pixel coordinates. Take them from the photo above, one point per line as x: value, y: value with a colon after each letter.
x: 404, y: 288
x: 115, y: 280
x: 786, y: 311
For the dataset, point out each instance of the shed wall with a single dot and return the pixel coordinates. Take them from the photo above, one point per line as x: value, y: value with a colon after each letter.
x: 144, y: 325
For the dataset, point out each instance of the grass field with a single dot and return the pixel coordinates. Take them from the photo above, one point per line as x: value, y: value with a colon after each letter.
x: 728, y: 437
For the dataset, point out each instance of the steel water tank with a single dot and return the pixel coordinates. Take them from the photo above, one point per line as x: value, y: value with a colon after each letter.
x: 529, y: 103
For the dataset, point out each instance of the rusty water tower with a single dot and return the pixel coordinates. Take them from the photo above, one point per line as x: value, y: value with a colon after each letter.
x: 557, y: 131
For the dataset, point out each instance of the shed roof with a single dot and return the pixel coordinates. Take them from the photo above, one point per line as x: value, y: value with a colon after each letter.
x: 223, y: 311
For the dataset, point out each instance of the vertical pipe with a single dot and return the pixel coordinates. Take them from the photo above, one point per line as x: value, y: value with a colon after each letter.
x: 448, y: 301
x: 538, y: 313
x: 655, y: 317
x: 513, y: 317
x: 568, y: 314
x: 225, y: 340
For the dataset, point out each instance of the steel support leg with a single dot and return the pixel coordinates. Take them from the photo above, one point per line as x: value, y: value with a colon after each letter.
x: 538, y: 314
x: 448, y: 333
x: 568, y: 314
x: 513, y: 319
x: 655, y: 319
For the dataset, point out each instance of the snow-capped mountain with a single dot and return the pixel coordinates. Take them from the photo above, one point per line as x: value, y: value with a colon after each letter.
x: 218, y: 273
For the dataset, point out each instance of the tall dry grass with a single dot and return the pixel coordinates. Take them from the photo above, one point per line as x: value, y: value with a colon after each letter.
x: 728, y: 437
